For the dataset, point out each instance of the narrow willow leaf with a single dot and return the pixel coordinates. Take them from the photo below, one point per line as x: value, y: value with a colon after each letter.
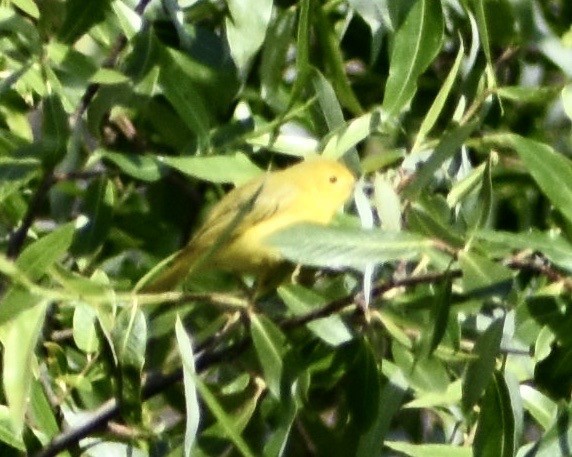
x: 346, y: 137
x: 235, y: 169
x: 390, y: 396
x: 479, y: 372
x: 566, y: 96
x: 19, y: 337
x: 387, y: 203
x: 98, y: 207
x: 192, y: 409
x: 485, y: 195
x: 429, y: 450
x: 140, y: 166
x: 552, y: 245
x: 481, y: 273
x: 80, y: 17
x: 246, y: 26
x: 463, y: 187
x: 495, y: 429
x: 184, y: 95
x: 129, y: 21
x: 551, y: 170
x: 84, y: 328
x: 129, y: 337
x: 228, y: 425
x: 478, y: 7
x: 274, y: 54
x: 270, y: 345
x: 41, y: 413
x: 55, y: 131
x: 7, y: 433
x: 28, y: 6
x: 539, y: 406
x: 107, y: 76
x: 525, y: 94
x: 299, y: 300
x: 450, y: 143
x: 416, y: 44
x: 440, y: 313
x: 338, y: 247
x: 40, y: 255
x: 331, y: 53
x: 435, y: 111
x: 331, y: 109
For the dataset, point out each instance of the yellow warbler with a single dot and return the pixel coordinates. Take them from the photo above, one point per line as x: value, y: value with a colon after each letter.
x: 232, y: 236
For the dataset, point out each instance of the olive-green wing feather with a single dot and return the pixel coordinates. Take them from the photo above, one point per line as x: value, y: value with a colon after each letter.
x: 239, y: 210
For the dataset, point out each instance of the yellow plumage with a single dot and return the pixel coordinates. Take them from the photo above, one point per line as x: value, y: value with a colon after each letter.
x: 232, y: 236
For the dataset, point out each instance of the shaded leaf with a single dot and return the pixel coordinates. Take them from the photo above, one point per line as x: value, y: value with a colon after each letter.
x: 479, y: 373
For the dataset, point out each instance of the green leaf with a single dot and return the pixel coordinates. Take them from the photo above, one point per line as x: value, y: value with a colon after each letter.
x: 450, y: 143
x: 416, y: 43
x: 98, y: 208
x: 551, y: 170
x: 55, y: 131
x: 129, y: 20
x: 274, y: 55
x: 439, y: 103
x: 299, y: 300
x: 236, y: 169
x: 391, y: 395
x: 566, y: 96
x: 108, y: 76
x: 19, y: 337
x: 424, y: 375
x: 481, y: 273
x: 80, y: 17
x: 466, y: 185
x: 246, y: 26
x: 552, y: 245
x: 338, y: 247
x: 479, y: 372
x: 7, y: 433
x: 539, y: 406
x: 185, y: 95
x: 331, y: 109
x: 440, y: 313
x: 84, y: 328
x: 425, y: 218
x: 226, y: 422
x: 41, y: 254
x: 495, y: 429
x: 140, y: 166
x: 334, y: 60
x: 41, y: 413
x: 270, y: 345
x: 129, y: 337
x: 28, y: 7
x: 526, y: 94
x: 192, y: 409
x: 429, y: 450
x: 346, y: 137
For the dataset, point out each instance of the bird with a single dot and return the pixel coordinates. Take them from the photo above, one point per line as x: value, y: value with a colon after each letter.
x: 232, y: 237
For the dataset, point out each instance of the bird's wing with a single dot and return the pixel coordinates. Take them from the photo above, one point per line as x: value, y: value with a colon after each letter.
x: 245, y: 207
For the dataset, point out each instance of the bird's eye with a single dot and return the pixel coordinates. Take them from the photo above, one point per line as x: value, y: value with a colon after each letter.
x: 333, y: 179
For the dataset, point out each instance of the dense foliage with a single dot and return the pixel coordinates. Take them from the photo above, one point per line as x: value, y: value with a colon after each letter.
x: 431, y: 319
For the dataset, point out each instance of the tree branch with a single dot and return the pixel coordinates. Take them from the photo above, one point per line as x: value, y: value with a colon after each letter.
x: 156, y: 383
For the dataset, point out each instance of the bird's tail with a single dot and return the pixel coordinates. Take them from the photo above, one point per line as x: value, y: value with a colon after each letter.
x: 168, y: 273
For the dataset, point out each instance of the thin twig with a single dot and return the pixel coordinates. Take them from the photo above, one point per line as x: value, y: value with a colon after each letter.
x: 156, y: 383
